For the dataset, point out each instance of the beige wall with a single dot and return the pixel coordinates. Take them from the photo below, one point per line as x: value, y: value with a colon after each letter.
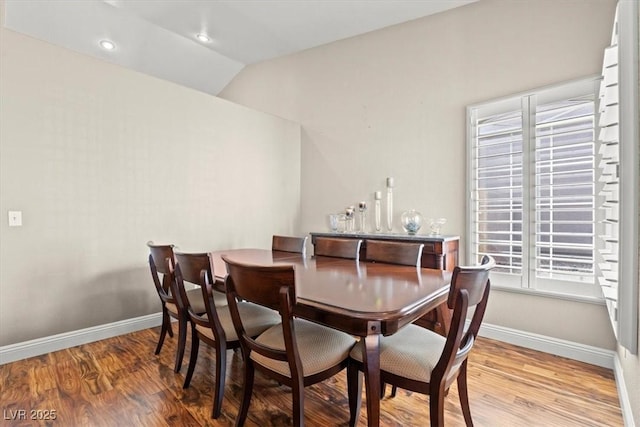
x: 392, y: 103
x: 100, y: 160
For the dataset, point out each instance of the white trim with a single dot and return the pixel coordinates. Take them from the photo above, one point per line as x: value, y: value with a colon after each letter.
x: 629, y: 176
x: 625, y: 403
x: 36, y: 347
x: 581, y: 352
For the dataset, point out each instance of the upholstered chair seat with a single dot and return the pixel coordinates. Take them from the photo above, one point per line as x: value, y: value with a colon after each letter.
x: 197, y: 303
x: 256, y: 318
x: 319, y: 347
x: 415, y: 351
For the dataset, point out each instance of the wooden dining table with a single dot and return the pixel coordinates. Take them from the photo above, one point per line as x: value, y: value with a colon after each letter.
x: 364, y: 299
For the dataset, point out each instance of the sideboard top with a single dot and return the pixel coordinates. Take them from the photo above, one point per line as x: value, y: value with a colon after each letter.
x: 391, y: 236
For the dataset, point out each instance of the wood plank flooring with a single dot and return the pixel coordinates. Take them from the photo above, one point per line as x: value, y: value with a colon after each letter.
x: 120, y: 382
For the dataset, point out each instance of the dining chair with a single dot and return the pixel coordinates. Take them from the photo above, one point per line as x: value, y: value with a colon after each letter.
x: 403, y: 253
x: 161, y: 261
x: 423, y: 361
x: 289, y: 244
x: 389, y: 252
x: 337, y: 247
x: 296, y: 352
x: 214, y: 327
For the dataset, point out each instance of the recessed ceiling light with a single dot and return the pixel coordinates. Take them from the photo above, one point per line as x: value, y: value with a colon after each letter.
x: 107, y: 44
x: 203, y: 38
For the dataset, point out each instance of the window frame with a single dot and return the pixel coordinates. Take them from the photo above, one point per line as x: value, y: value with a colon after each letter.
x: 527, y: 282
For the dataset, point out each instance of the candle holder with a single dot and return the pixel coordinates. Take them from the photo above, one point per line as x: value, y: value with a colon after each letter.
x: 378, y: 210
x: 390, y: 184
x: 349, y: 213
x: 362, y: 209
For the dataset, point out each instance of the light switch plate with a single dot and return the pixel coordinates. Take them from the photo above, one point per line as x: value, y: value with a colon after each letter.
x: 15, y: 218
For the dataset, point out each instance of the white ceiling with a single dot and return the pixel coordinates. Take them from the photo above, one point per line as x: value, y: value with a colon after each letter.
x: 157, y: 37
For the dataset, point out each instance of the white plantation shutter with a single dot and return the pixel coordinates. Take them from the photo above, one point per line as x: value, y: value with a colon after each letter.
x: 532, y: 181
x: 608, y: 179
x: 498, y: 180
x: 565, y: 189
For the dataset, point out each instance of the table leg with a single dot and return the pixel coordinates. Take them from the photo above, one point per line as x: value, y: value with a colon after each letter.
x: 444, y: 317
x: 372, y: 378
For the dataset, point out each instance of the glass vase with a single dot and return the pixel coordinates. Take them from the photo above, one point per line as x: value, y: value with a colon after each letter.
x: 411, y: 221
x: 389, y: 204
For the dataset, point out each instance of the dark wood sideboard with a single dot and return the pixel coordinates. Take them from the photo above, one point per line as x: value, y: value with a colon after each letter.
x: 440, y: 252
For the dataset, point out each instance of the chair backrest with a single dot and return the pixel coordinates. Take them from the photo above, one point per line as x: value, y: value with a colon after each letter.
x: 272, y: 287
x: 470, y: 288
x: 196, y: 268
x: 403, y: 253
x: 336, y: 247
x: 161, y: 260
x: 193, y: 266
x: 289, y: 244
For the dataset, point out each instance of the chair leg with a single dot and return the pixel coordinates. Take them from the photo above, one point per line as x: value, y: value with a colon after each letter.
x: 298, y: 402
x: 169, y: 328
x: 464, y: 394
x: 182, y: 341
x: 166, y: 327
x: 193, y: 357
x: 247, y: 388
x: 221, y: 372
x: 354, y: 391
x: 436, y: 406
x: 383, y: 387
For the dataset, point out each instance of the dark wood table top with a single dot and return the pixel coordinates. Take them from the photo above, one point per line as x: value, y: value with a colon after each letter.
x: 353, y: 292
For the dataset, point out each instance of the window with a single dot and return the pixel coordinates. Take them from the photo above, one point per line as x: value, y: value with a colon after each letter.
x: 533, y: 188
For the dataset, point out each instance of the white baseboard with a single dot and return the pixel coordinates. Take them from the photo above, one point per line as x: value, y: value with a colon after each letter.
x: 584, y: 353
x: 36, y: 347
x: 581, y: 352
x: 625, y: 403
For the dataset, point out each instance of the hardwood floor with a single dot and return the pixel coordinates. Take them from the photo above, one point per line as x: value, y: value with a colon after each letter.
x: 119, y: 381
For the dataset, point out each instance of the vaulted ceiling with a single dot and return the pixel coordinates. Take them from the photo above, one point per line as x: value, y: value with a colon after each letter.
x: 158, y: 37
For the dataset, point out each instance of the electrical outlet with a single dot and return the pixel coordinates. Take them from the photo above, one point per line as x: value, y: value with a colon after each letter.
x: 15, y: 218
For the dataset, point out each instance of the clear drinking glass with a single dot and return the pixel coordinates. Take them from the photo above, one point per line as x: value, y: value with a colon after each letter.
x: 436, y: 225
x: 333, y: 223
x: 342, y: 223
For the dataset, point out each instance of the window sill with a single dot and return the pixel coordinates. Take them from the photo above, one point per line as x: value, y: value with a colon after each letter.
x: 548, y: 294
